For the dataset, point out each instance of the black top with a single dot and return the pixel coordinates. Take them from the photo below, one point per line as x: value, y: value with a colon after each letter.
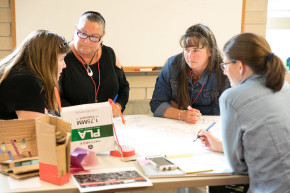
x: 78, y: 88
x: 20, y: 90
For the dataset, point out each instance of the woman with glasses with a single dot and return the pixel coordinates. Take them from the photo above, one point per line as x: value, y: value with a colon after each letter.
x: 93, y: 72
x: 255, y: 115
x: 192, y: 78
x: 29, y: 75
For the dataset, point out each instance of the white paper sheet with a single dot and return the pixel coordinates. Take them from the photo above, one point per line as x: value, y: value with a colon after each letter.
x: 24, y: 183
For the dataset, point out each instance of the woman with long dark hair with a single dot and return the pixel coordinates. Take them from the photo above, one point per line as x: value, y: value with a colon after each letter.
x: 192, y: 78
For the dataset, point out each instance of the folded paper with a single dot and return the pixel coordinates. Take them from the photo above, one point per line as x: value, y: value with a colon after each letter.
x: 82, y: 159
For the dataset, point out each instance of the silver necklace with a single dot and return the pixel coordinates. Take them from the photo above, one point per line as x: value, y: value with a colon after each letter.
x: 89, y: 70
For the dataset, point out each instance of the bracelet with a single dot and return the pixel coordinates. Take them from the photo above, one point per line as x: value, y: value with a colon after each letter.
x: 179, y: 115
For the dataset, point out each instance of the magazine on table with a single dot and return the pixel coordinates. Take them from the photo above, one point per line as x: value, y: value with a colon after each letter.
x: 106, y: 179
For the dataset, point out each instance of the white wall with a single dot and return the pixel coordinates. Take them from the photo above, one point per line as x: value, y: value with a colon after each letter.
x: 142, y: 32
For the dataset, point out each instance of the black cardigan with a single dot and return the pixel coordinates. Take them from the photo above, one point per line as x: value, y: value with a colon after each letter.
x: 76, y: 87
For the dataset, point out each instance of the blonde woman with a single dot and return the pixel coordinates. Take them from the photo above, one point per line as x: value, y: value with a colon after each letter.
x: 29, y: 74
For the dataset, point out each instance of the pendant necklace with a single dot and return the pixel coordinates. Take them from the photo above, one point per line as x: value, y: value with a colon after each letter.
x: 89, y: 70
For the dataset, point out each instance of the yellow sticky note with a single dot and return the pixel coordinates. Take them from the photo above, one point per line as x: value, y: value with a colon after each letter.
x: 178, y: 155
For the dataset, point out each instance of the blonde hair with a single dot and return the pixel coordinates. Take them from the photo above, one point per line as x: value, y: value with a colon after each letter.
x: 39, y: 54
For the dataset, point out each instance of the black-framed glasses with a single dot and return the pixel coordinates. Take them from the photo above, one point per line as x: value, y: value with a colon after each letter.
x: 85, y: 36
x: 224, y: 65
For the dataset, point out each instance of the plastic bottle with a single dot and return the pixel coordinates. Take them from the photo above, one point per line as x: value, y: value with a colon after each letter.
x: 288, y: 63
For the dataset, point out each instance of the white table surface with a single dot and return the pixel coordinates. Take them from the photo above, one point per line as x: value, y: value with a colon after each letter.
x: 150, y: 136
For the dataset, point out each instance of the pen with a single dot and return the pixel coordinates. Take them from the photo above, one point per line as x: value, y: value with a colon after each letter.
x: 189, y: 108
x: 115, y: 98
x: 205, y: 130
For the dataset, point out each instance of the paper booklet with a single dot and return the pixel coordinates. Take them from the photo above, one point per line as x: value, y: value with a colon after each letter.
x: 212, y: 164
x: 203, y: 164
x: 106, y: 179
x: 92, y: 126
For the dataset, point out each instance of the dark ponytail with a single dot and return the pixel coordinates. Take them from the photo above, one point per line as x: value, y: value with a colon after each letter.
x: 254, y: 51
x: 275, y: 73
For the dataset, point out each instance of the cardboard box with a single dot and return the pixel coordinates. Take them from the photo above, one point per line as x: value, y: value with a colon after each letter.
x: 92, y: 126
x: 22, y: 132
x: 20, y: 168
x: 54, y: 159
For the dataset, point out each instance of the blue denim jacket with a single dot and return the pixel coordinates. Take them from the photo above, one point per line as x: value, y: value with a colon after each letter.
x: 166, y: 90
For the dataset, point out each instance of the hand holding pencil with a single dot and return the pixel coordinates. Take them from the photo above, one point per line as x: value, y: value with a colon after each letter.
x: 116, y: 108
x: 207, y: 129
x: 209, y: 140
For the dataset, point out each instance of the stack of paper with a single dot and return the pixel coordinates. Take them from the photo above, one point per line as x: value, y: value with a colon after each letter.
x: 192, y: 164
x: 202, y: 164
x: 208, y: 163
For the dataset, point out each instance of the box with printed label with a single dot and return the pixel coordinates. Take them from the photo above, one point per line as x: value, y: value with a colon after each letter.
x: 92, y: 126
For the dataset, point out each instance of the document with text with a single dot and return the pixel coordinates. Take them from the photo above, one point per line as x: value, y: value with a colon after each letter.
x: 106, y: 179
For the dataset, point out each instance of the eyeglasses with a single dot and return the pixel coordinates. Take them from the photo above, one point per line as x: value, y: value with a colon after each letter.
x: 224, y: 65
x: 85, y: 36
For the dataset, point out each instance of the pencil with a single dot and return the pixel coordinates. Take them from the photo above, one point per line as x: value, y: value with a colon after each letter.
x: 115, y: 98
x: 207, y: 129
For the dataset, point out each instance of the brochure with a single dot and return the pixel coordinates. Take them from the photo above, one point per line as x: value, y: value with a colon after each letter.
x: 106, y: 179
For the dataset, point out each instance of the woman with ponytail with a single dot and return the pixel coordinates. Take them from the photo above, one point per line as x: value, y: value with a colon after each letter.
x: 255, y: 115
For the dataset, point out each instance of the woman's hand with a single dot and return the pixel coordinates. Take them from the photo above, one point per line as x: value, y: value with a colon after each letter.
x: 116, y: 109
x: 191, y: 116
x: 210, y: 141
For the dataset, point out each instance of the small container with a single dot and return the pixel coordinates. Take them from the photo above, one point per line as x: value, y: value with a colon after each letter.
x: 288, y: 63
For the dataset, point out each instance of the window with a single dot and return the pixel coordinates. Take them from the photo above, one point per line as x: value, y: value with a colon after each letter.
x: 278, y: 28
